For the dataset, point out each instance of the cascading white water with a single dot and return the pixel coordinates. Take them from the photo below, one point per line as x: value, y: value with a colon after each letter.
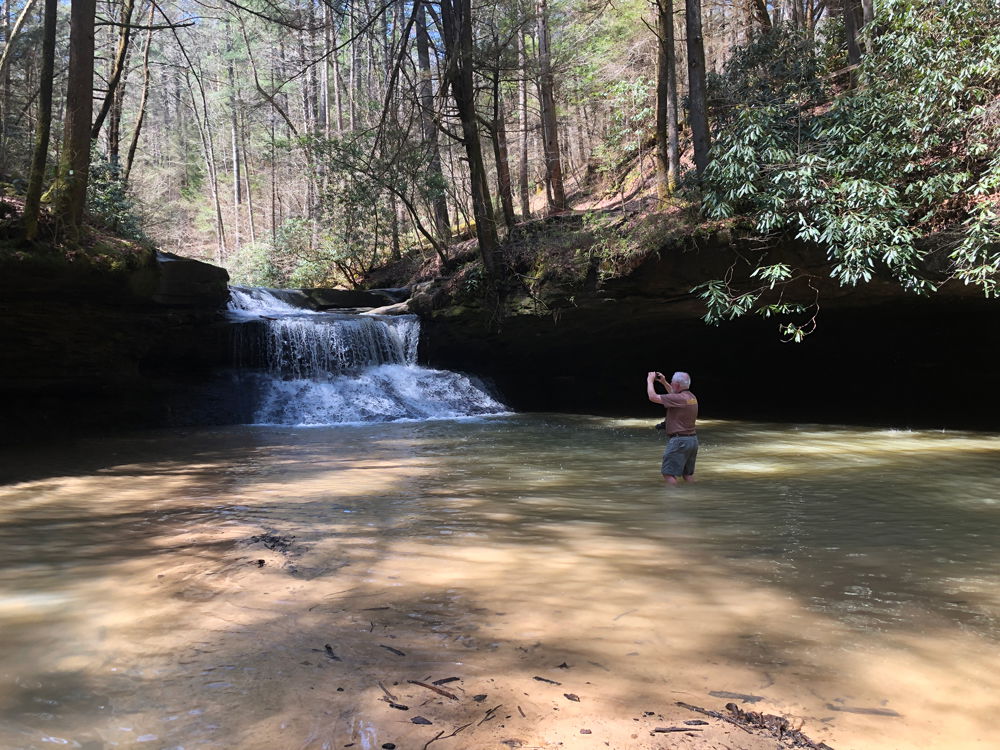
x: 332, y: 368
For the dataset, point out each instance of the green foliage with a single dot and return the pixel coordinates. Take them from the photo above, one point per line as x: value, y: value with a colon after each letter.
x: 295, y: 256
x: 619, y: 243
x: 288, y: 261
x: 631, y: 112
x: 907, y: 156
x: 252, y: 265
x: 110, y: 203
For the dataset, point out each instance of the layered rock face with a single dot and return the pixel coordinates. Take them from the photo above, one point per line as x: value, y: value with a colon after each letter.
x: 100, y: 348
x: 878, y: 355
x: 145, y: 347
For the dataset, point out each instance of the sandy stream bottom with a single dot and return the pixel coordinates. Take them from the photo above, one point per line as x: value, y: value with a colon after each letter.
x: 175, y: 622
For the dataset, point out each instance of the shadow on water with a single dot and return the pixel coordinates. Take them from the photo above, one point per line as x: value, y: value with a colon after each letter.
x: 817, y: 520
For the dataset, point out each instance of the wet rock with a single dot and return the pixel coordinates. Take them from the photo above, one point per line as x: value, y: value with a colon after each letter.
x: 399, y: 308
x: 185, y: 282
x: 333, y: 299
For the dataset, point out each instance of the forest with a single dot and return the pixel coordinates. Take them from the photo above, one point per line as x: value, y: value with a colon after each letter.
x: 307, y: 142
x: 329, y: 341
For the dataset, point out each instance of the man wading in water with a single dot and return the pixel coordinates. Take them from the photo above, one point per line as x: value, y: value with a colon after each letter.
x: 682, y: 412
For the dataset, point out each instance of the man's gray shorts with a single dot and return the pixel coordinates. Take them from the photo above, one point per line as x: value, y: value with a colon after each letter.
x: 680, y: 455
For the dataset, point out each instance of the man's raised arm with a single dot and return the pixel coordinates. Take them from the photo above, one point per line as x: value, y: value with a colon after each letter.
x: 651, y: 378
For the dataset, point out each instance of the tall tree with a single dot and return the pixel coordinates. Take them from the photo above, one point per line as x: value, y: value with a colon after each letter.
x: 74, y: 168
x: 758, y: 15
x: 498, y: 133
x: 667, y: 136
x: 141, y: 115
x: 12, y: 35
x: 697, y: 106
x: 456, y: 19
x: 202, y: 117
x: 32, y: 201
x: 550, y: 126
x: 112, y: 96
x: 429, y: 130
x: 234, y: 138
x: 851, y: 32
x: 522, y: 179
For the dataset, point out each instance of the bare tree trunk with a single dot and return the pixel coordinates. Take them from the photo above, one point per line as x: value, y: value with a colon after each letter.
x: 308, y: 122
x: 133, y: 145
x: 566, y: 149
x: 851, y: 33
x: 667, y: 140
x: 439, y: 205
x: 235, y: 141
x: 15, y: 32
x: 456, y: 17
x: 523, y: 122
x: 868, y: 10
x: 274, y: 188
x: 4, y: 80
x: 500, y: 155
x: 697, y: 110
x: 251, y: 223
x: 203, y: 122
x: 352, y: 82
x: 325, y: 74
x: 211, y: 165
x: 758, y: 13
x: 32, y: 200
x: 208, y: 152
x: 115, y: 117
x: 74, y: 169
x: 394, y: 208
x: 550, y: 135
x: 337, y: 97
x: 583, y: 135
x: 117, y: 68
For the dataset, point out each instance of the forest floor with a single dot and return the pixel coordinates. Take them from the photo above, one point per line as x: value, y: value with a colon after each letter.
x: 521, y: 708
x: 96, y: 248
x: 614, y: 222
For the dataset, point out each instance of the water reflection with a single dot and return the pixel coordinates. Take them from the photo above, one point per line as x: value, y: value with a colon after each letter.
x: 187, y: 589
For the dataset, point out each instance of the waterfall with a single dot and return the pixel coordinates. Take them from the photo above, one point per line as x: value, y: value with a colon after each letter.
x: 303, y: 367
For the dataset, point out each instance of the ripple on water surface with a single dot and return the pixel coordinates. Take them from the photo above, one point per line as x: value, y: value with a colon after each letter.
x: 233, y: 585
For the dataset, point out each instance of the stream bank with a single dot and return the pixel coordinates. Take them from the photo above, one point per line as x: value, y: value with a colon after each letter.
x: 588, y: 318
x: 145, y: 342
x: 92, y: 346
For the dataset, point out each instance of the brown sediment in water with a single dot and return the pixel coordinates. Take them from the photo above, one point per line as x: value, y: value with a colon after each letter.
x: 311, y: 590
